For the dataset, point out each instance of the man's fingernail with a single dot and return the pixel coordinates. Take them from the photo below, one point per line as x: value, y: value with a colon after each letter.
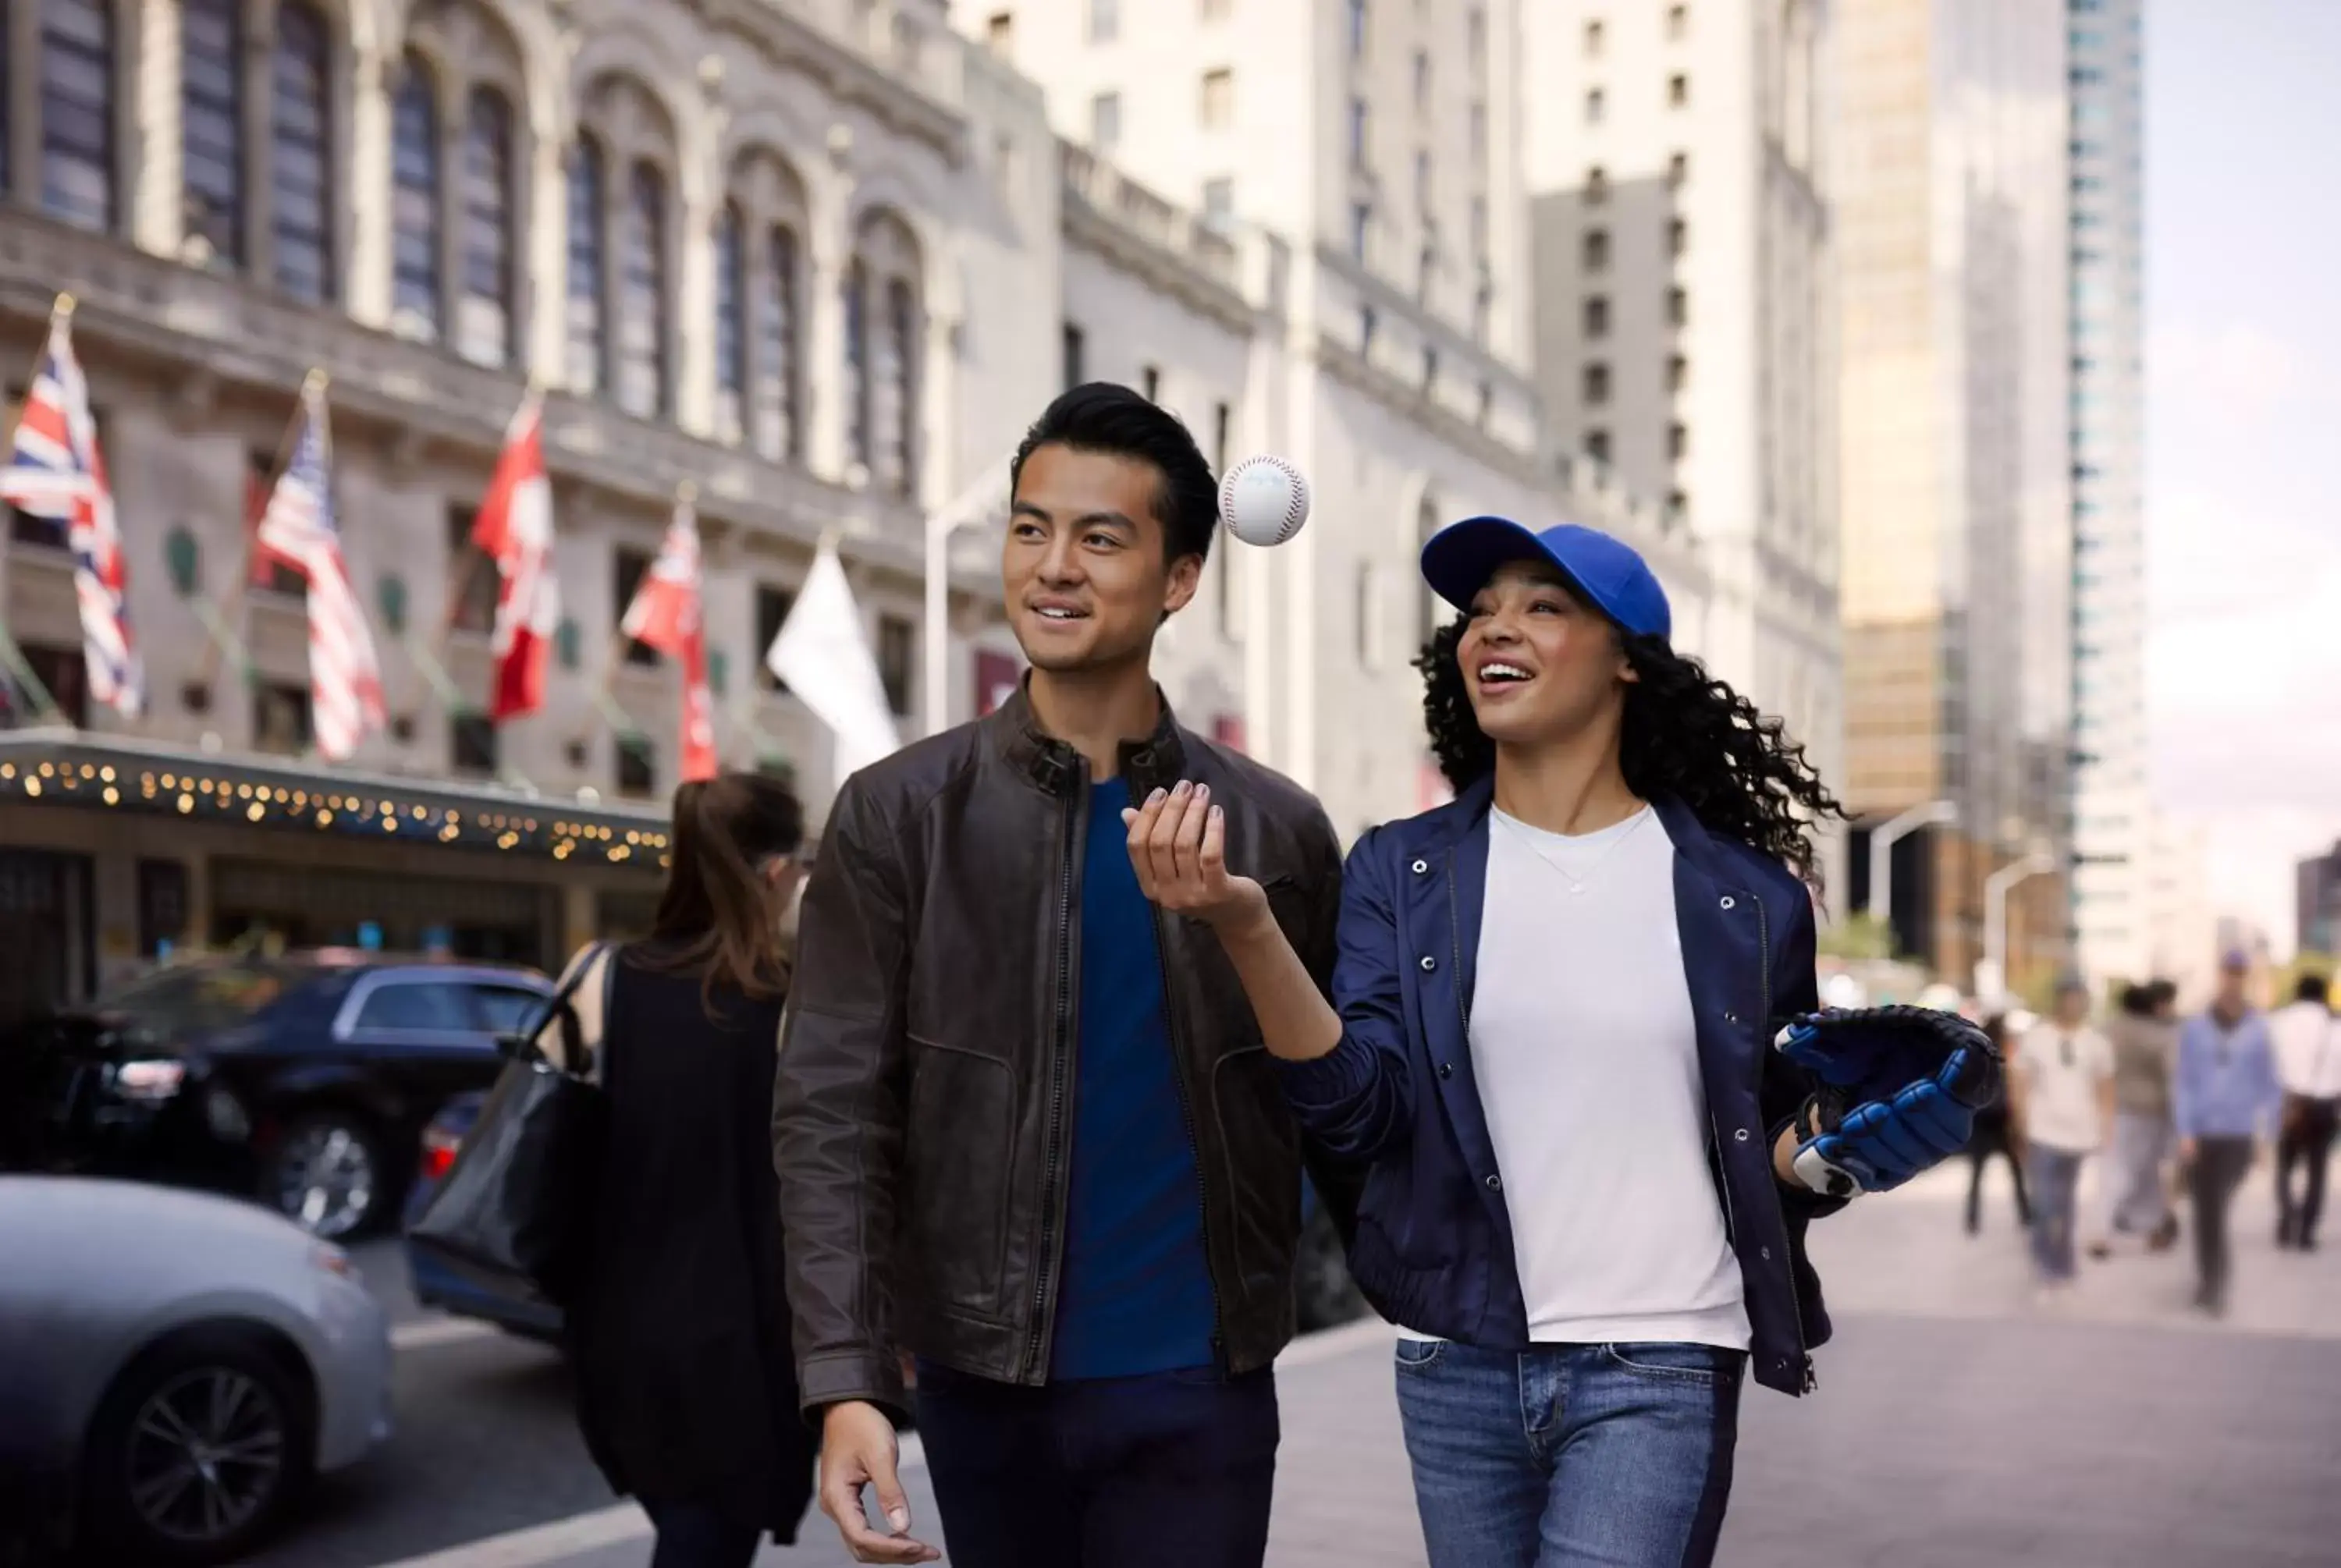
x: 1183, y: 789
x: 1202, y: 791
x: 900, y: 1518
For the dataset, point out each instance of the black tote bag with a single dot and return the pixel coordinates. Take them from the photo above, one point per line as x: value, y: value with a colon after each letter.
x: 510, y: 1214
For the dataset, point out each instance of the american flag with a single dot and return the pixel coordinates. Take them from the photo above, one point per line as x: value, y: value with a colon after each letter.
x: 56, y: 470
x: 344, y: 680
x: 665, y: 615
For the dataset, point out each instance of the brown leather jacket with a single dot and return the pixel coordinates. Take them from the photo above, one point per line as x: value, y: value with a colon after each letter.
x: 921, y: 1120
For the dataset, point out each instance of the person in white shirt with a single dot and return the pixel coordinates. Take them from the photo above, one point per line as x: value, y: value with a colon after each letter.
x: 2061, y: 1092
x: 2308, y: 1041
x: 1551, y: 1047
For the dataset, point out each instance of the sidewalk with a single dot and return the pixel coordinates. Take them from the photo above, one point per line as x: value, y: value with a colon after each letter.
x: 1954, y: 1424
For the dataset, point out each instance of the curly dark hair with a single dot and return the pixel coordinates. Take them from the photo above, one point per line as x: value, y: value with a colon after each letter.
x: 1686, y: 734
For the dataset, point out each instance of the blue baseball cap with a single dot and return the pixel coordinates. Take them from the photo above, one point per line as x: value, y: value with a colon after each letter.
x: 1606, y: 571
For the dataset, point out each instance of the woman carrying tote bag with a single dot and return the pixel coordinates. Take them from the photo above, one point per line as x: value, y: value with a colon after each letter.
x: 677, y: 1327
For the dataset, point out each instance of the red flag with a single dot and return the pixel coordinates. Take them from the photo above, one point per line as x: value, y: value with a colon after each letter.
x: 515, y: 528
x: 665, y: 615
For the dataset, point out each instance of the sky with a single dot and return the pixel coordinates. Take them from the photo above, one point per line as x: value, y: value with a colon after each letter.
x: 2243, y: 360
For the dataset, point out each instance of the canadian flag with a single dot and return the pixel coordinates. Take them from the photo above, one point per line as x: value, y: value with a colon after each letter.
x: 515, y: 528
x: 665, y: 615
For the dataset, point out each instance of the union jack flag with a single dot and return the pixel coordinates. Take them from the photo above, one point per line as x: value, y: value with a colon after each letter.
x: 56, y: 470
x: 344, y: 680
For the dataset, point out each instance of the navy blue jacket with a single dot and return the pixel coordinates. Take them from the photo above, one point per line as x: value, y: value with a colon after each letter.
x: 1433, y: 1241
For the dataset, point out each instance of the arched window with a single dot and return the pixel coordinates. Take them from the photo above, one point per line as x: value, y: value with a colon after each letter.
x: 731, y: 324
x: 301, y: 153
x: 588, y: 277
x: 779, y: 435
x: 484, y: 311
x: 76, y: 76
x: 210, y: 125
x: 642, y: 379
x: 414, y: 202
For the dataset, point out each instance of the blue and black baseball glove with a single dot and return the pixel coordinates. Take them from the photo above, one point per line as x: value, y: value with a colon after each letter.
x: 1898, y: 1093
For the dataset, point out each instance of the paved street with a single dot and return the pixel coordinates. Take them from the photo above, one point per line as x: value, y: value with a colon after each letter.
x: 1955, y: 1423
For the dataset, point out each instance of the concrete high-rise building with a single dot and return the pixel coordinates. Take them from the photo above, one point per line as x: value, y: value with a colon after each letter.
x: 1684, y: 317
x: 2318, y: 910
x: 1951, y: 244
x: 2112, y: 807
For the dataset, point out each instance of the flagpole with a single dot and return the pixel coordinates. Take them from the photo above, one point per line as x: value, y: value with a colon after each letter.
x: 28, y: 680
x: 232, y: 611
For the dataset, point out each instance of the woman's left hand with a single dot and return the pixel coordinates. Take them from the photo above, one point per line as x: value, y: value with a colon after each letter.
x: 1177, y: 846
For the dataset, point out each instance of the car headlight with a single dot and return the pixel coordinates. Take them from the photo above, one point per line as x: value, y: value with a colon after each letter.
x: 150, y: 1082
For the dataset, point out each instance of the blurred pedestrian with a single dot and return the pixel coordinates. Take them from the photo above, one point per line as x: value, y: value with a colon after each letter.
x: 2146, y: 1053
x: 1996, y: 1132
x: 2223, y: 1095
x: 2063, y: 1091
x: 679, y: 1332
x: 2308, y: 1041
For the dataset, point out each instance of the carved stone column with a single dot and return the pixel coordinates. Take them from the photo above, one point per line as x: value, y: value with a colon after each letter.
x: 367, y: 191
x: 157, y: 207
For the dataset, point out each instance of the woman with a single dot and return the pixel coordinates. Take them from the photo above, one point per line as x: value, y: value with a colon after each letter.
x: 679, y: 1332
x: 1557, y: 998
x: 1996, y: 1133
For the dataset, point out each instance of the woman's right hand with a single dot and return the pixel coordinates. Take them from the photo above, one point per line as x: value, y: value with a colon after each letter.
x: 1177, y: 846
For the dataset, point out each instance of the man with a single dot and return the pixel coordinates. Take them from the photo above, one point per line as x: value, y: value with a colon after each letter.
x: 2061, y: 1093
x: 2145, y: 1049
x: 2308, y: 1065
x: 1025, y: 1126
x: 2222, y: 1098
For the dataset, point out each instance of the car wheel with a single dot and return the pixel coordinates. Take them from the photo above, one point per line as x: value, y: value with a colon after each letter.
x: 1323, y: 1293
x: 328, y: 1175
x: 196, y: 1452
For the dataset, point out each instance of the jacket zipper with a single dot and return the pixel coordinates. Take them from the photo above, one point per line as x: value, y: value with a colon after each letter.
x: 1187, y: 1115
x: 1763, y: 1031
x: 1062, y: 1047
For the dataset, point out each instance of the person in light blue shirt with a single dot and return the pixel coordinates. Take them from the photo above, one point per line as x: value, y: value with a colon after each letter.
x: 2224, y: 1098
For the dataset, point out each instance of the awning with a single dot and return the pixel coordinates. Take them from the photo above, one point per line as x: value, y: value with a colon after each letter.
x: 75, y: 769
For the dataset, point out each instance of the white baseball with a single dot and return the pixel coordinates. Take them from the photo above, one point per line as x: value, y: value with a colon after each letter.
x: 1263, y: 501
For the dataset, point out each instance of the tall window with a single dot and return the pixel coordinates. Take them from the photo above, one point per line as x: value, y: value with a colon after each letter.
x: 731, y: 324
x: 414, y: 202
x: 588, y: 279
x: 76, y: 75
x: 1105, y: 21
x: 857, y: 361
x: 484, y: 312
x: 1074, y: 344
x: 301, y: 153
x: 899, y: 376
x: 1105, y: 122
x: 1360, y: 134
x: 1596, y: 249
x: 211, y: 125
x: 641, y: 381
x: 779, y: 435
x: 1357, y: 29
x: 1218, y: 107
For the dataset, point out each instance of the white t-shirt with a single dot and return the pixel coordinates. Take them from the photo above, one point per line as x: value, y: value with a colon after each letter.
x: 2063, y: 1108
x: 1587, y: 1058
x: 2308, y: 1041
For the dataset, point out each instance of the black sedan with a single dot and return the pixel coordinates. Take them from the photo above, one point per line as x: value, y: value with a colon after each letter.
x: 305, y: 1081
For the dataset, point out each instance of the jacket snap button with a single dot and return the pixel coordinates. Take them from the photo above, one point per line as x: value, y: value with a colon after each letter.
x: 1447, y: 1069
x: 1428, y: 963
x: 1731, y: 1017
x: 1421, y: 867
x: 1741, y: 1135
x: 1728, y: 903
x: 1495, y: 1184
x: 1767, y: 1254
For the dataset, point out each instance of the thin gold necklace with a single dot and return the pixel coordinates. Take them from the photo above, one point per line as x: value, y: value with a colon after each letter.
x: 1579, y: 884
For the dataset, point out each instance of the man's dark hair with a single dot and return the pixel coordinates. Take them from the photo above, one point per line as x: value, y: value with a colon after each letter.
x: 2139, y: 1001
x: 1101, y: 417
x: 2163, y: 992
x: 2311, y: 988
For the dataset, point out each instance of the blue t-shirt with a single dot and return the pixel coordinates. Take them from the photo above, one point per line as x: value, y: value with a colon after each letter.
x: 1135, y: 1293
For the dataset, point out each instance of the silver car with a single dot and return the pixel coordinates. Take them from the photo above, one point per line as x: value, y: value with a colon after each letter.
x: 175, y: 1367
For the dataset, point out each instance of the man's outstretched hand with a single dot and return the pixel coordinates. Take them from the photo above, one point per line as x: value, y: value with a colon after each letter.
x: 858, y: 1449
x: 1178, y: 845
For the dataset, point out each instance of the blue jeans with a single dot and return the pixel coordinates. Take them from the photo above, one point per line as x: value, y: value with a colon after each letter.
x: 2055, y: 1192
x: 1570, y: 1455
x: 1171, y: 1469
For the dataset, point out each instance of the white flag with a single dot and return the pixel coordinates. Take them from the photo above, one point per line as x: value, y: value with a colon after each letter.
x: 825, y: 658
